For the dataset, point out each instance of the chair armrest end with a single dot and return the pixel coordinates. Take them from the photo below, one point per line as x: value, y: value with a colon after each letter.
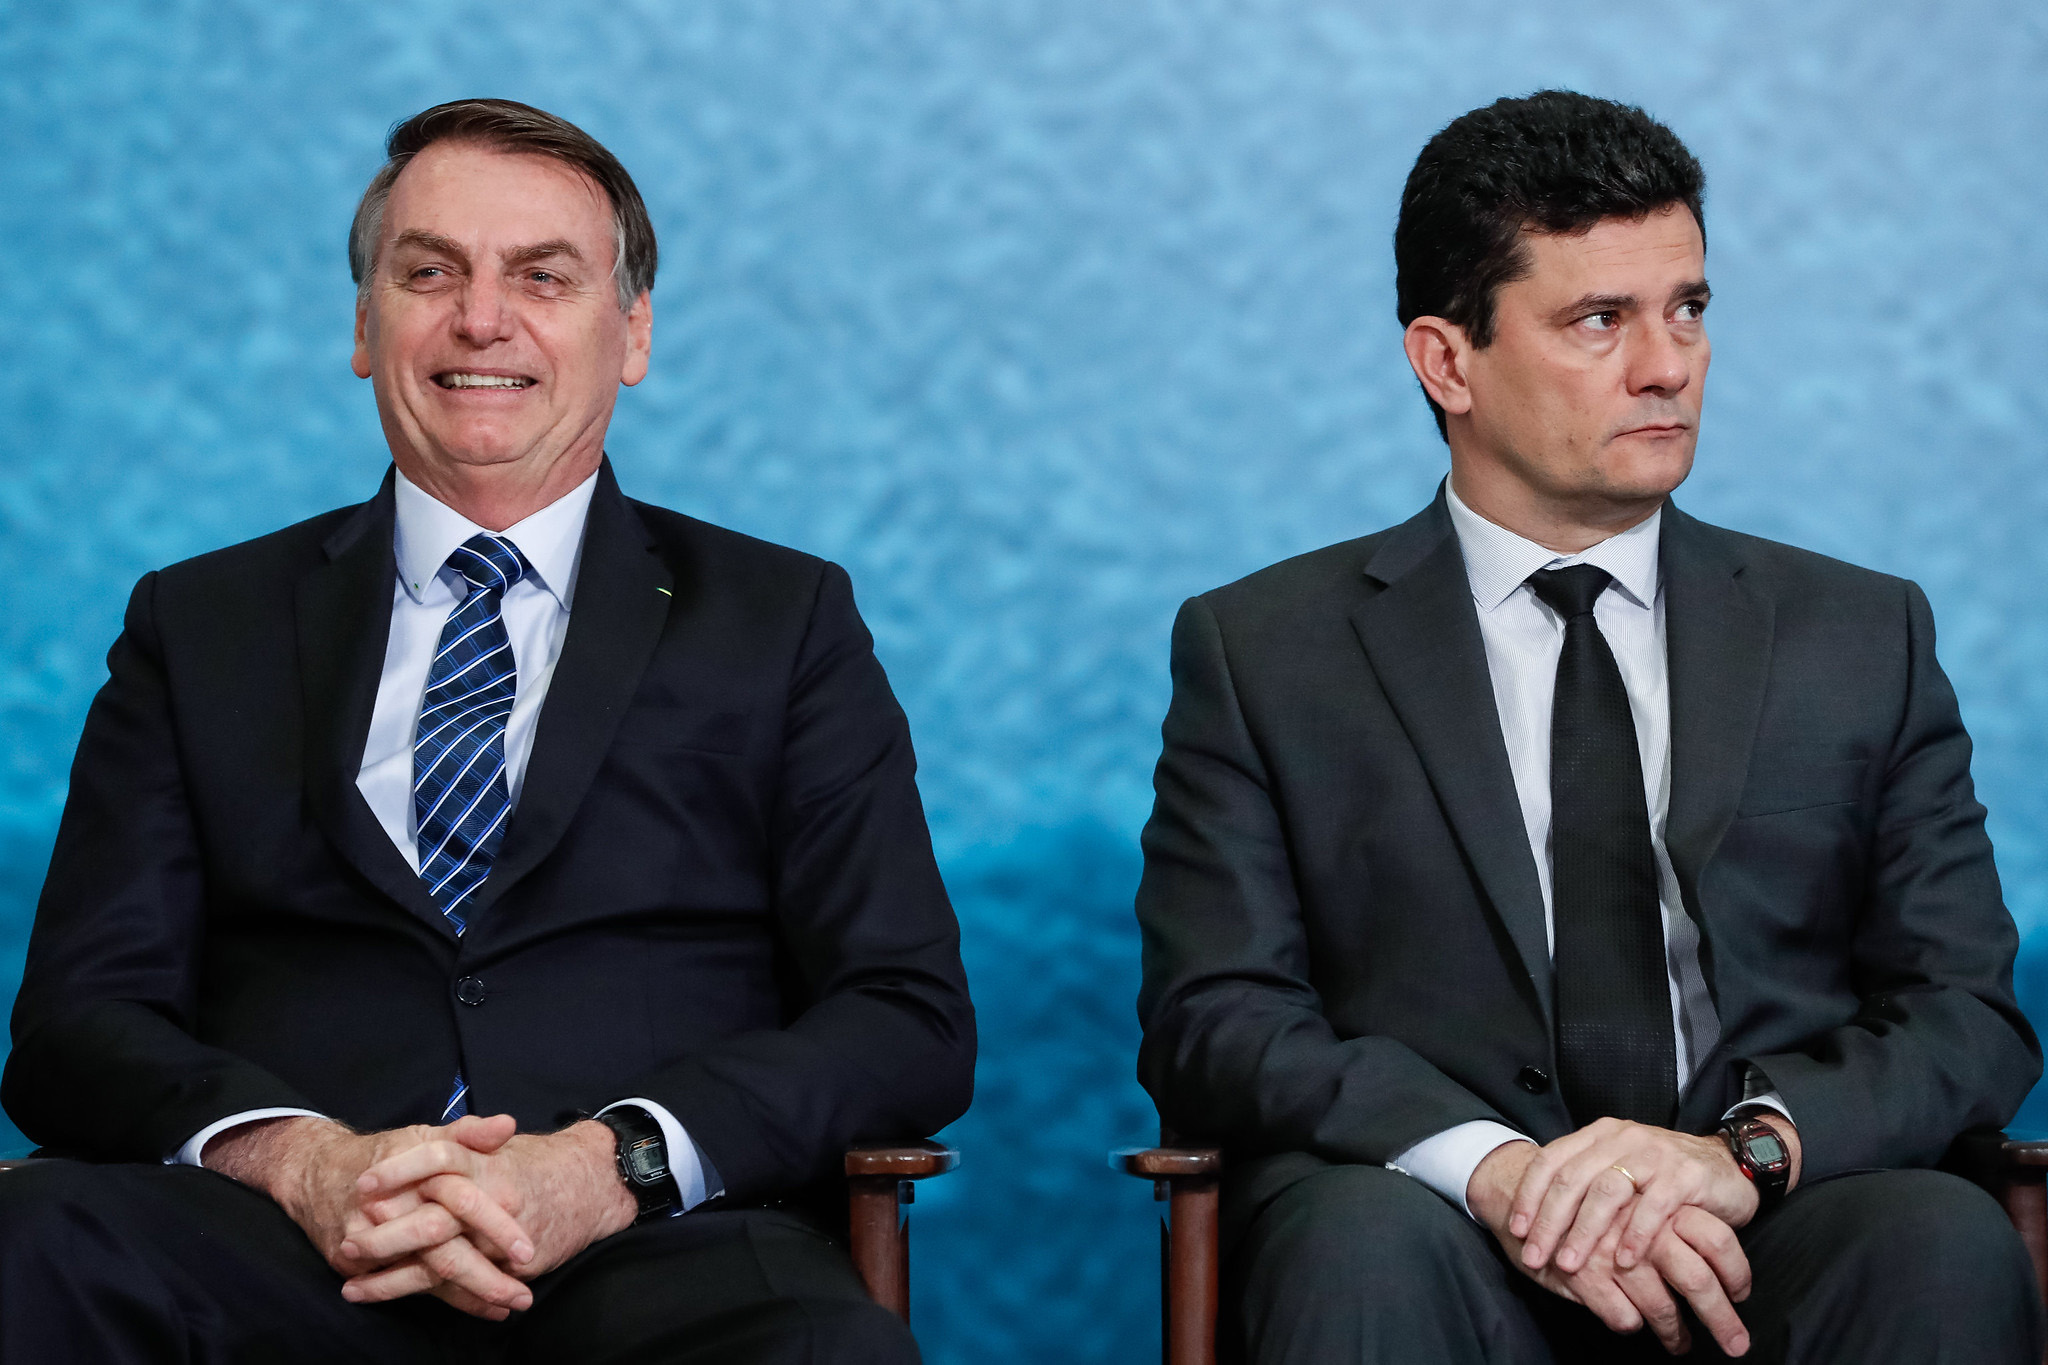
x: 901, y: 1161
x: 1167, y: 1163
x: 2024, y: 1153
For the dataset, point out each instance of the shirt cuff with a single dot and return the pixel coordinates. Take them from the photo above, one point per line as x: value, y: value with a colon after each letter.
x: 696, y: 1178
x: 195, y: 1146
x: 1770, y: 1099
x: 1445, y: 1162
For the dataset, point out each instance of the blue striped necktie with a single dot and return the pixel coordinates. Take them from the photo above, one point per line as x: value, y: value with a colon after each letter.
x: 460, y: 799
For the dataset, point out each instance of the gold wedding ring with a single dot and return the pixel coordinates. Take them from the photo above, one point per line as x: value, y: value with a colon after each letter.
x: 1626, y: 1176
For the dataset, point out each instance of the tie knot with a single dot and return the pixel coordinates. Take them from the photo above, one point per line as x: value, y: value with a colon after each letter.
x: 1570, y: 592
x: 489, y: 561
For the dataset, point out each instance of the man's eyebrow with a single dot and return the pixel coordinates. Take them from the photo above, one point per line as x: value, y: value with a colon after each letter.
x: 1585, y: 305
x: 541, y: 251
x: 429, y: 241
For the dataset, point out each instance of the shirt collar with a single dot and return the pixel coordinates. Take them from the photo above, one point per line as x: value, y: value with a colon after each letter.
x: 428, y: 530
x: 1497, y: 561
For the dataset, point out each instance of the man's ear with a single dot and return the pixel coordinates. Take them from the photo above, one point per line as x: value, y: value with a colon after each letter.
x: 639, y: 340
x: 1440, y: 354
x: 360, y: 361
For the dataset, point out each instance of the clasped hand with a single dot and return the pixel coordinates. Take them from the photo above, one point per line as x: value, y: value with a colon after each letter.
x: 467, y: 1212
x: 1618, y: 1215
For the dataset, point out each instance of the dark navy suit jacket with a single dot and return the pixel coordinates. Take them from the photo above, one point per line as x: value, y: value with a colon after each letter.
x: 717, y: 890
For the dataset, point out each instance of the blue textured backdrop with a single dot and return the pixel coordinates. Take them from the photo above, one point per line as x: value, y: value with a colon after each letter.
x: 1039, y: 315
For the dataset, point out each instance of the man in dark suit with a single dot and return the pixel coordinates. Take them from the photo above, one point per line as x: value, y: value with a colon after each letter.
x: 498, y: 795
x: 1554, y: 900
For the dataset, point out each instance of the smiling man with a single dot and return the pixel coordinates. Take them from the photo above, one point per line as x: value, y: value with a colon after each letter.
x: 482, y: 917
x: 1573, y: 918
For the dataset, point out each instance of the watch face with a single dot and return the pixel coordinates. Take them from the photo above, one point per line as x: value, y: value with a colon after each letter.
x: 1765, y: 1149
x: 645, y: 1161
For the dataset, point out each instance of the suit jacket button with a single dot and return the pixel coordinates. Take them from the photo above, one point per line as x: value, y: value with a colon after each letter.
x: 1533, y: 1079
x: 470, y: 990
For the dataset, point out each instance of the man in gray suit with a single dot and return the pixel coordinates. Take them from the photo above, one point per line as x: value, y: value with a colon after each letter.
x: 1570, y: 916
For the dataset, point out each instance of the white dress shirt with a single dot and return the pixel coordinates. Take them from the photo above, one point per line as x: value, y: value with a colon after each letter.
x: 1523, y: 640
x: 535, y: 612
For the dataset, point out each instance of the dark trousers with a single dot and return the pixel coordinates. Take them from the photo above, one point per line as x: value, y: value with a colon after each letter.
x: 1358, y: 1264
x: 119, y: 1264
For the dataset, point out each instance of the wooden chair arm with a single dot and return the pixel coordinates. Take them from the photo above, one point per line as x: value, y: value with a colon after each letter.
x: 1189, y: 1179
x: 908, y: 1161
x: 2023, y: 1154
x: 2022, y: 1167
x: 2012, y: 1171
x: 1989, y: 1157
x: 1167, y: 1163
x: 877, y: 1189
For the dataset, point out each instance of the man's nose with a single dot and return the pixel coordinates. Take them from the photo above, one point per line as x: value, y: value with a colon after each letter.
x: 1660, y: 361
x: 485, y: 312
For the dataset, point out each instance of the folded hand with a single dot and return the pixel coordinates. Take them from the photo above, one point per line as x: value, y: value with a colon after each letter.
x: 311, y: 1167
x: 1627, y: 1176
x: 561, y: 1188
x: 1693, y: 1252
x: 1696, y: 1254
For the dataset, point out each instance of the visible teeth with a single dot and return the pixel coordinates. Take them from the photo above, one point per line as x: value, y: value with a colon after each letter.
x: 481, y: 381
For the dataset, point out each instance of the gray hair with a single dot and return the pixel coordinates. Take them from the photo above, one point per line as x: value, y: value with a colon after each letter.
x: 508, y: 126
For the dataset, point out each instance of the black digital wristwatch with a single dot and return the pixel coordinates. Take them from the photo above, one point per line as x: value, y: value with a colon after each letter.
x: 1762, y: 1156
x: 643, y: 1160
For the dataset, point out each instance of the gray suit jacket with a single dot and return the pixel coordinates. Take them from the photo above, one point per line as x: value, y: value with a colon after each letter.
x: 1344, y: 938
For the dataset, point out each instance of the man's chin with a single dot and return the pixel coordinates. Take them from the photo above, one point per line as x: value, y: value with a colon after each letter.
x: 484, y: 452
x: 1649, y: 471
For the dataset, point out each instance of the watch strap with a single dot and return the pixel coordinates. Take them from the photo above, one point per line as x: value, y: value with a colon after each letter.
x: 642, y: 1160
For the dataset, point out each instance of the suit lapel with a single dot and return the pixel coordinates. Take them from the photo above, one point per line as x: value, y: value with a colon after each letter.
x: 1421, y: 633
x: 344, y: 625
x: 1717, y: 641
x: 622, y: 604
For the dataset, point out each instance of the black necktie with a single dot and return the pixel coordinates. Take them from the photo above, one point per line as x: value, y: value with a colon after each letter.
x: 1615, y: 1053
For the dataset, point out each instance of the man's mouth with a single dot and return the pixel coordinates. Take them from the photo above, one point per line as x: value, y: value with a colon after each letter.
x: 469, y: 379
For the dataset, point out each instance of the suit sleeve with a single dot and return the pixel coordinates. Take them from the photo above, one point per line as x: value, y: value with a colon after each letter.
x: 105, y: 1064
x: 1237, y: 1048
x: 885, y: 1048
x: 1939, y: 1044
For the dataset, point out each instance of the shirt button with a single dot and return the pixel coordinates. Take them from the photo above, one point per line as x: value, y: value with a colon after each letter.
x: 1533, y: 1079
x: 470, y: 990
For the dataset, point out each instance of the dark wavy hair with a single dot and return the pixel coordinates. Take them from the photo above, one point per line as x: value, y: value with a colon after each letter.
x: 508, y: 126
x: 1554, y: 161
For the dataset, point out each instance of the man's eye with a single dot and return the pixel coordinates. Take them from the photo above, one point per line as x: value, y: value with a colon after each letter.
x: 1691, y: 311
x: 428, y: 272
x: 543, y: 277
x: 1603, y: 322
